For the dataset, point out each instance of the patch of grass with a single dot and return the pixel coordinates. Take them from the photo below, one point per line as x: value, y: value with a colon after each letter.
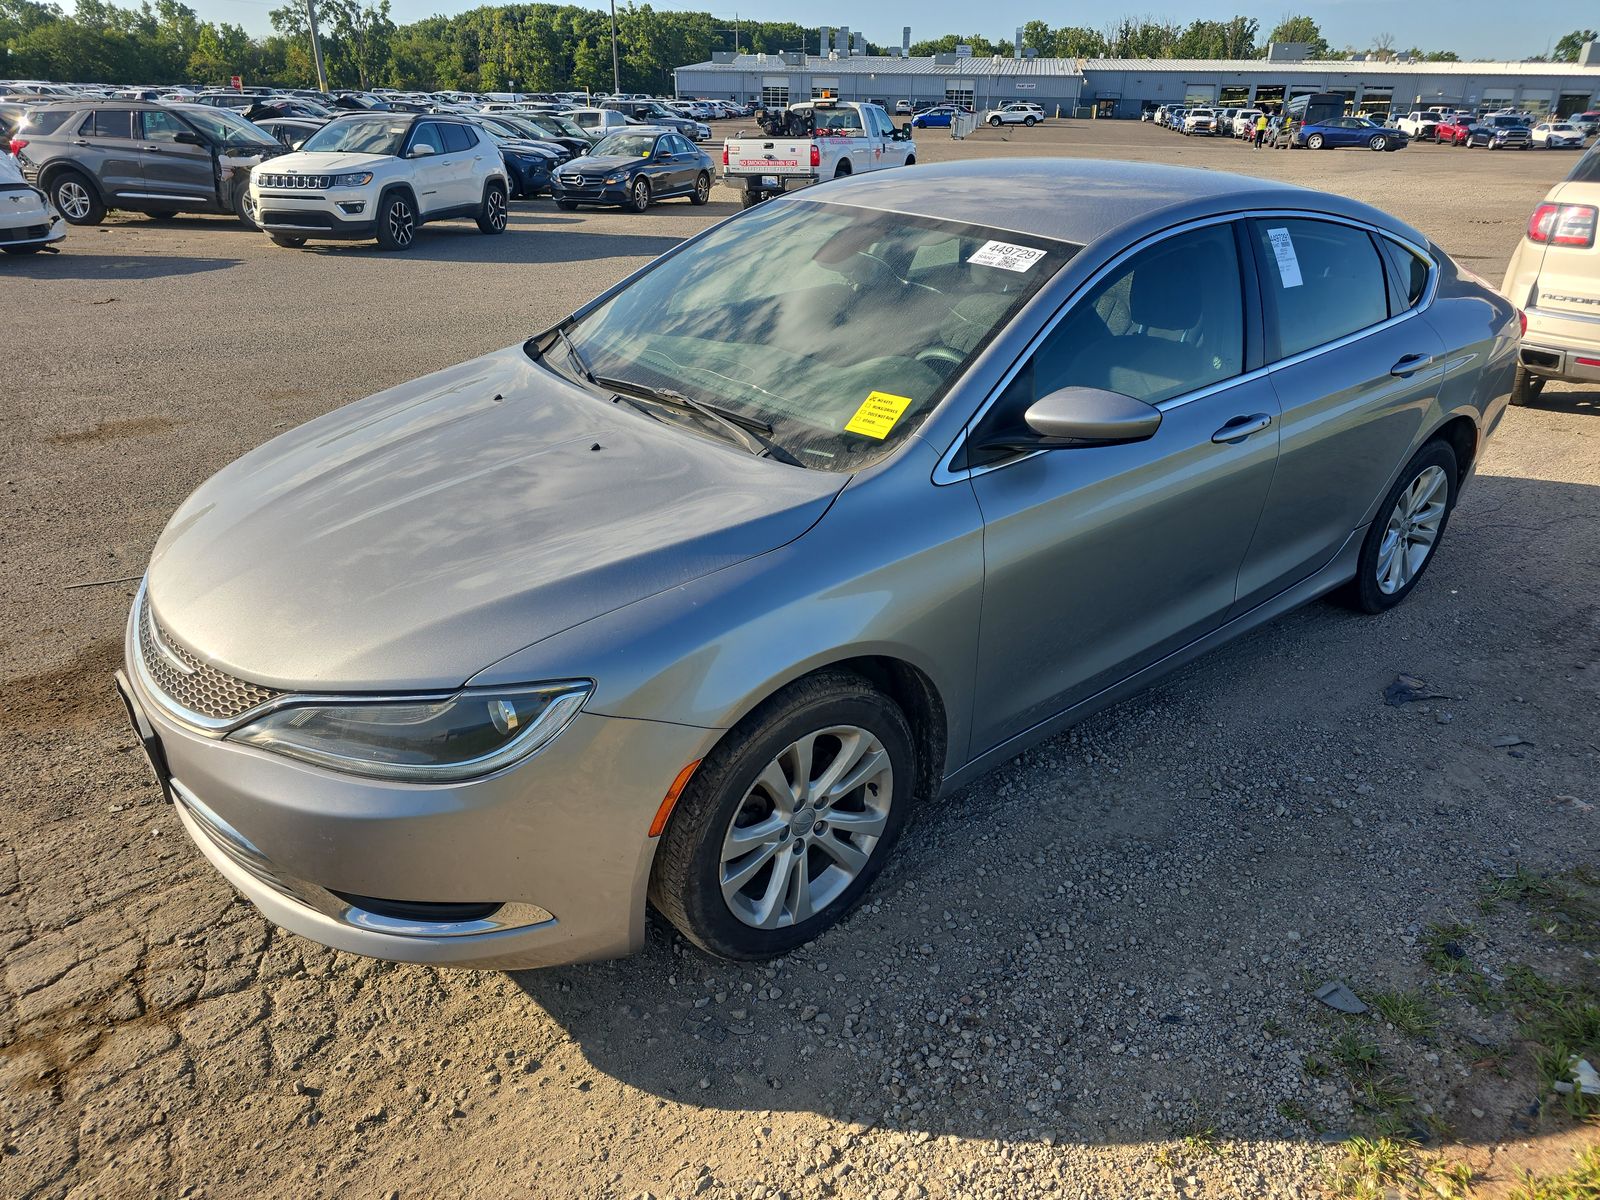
x: 1382, y: 1167
x: 1355, y: 1055
x: 1565, y: 906
x: 1447, y: 1177
x: 1580, y: 1183
x: 1406, y: 1011
x: 1272, y: 1027
x: 1200, y: 1141
x: 1475, y: 986
x: 1315, y: 1067
x: 1443, y: 949
x: 1298, y: 1114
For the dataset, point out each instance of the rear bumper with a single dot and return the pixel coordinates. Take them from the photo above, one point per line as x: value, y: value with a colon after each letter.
x: 1562, y: 345
x: 752, y: 181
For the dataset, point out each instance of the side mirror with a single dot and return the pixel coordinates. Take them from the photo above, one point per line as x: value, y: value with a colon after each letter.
x: 1082, y: 416
x: 421, y: 151
x: 185, y: 138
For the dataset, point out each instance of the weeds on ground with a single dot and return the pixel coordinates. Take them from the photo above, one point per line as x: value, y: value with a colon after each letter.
x: 1374, y: 1168
x: 1580, y: 1183
x: 1406, y: 1011
x: 1565, y: 906
x: 1442, y: 947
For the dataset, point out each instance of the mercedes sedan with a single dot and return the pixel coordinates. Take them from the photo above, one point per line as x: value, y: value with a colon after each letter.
x: 689, y: 600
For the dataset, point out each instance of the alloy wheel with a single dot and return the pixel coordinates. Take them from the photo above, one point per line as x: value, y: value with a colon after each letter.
x: 702, y: 188
x: 74, y: 200
x: 402, y: 225
x: 641, y: 195
x: 1412, y: 530
x: 807, y: 827
x: 497, y: 208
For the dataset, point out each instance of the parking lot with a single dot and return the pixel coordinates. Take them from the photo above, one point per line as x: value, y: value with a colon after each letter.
x: 1089, y: 974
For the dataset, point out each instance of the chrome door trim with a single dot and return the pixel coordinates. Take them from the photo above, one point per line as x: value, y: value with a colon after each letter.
x: 944, y: 474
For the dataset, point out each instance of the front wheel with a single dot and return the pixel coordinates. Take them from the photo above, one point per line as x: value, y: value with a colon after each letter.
x: 283, y: 239
x: 995, y: 122
x: 244, y: 208
x: 566, y: 206
x: 1377, y: 142
x: 492, y: 216
x: 639, y: 195
x: 1411, y: 520
x: 702, y: 189
x: 1314, y: 142
x: 20, y: 250
x: 788, y: 820
x: 397, y: 222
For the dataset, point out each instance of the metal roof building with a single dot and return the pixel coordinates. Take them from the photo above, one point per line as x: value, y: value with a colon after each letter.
x: 1123, y: 87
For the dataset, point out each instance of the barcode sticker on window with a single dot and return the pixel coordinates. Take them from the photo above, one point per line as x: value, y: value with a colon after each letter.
x: 1006, y: 256
x: 1288, y: 263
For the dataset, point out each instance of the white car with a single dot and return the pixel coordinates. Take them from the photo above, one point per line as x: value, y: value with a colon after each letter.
x: 1557, y: 135
x: 28, y: 221
x: 382, y: 175
x: 597, y: 122
x: 1199, y: 120
x: 1244, y: 122
x: 1013, y: 114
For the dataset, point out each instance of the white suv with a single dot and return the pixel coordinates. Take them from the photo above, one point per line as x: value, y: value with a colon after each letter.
x: 381, y: 175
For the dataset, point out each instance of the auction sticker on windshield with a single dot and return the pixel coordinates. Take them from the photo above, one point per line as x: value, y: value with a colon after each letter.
x: 1006, y: 256
x: 877, y: 415
x: 1288, y: 261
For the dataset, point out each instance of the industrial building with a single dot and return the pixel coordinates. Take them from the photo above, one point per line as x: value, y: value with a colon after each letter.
x: 1121, y: 87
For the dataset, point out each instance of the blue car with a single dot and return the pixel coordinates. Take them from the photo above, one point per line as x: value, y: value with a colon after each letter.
x: 1348, y: 131
x: 934, y: 118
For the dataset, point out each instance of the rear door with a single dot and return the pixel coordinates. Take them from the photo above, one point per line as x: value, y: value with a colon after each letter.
x: 1355, y: 370
x: 461, y: 158
x: 105, y: 145
x: 172, y: 170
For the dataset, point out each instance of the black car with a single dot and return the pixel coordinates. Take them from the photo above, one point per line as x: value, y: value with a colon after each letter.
x: 287, y: 106
x: 633, y: 169
x: 1498, y: 136
x: 544, y: 129
x: 653, y: 112
x: 290, y: 131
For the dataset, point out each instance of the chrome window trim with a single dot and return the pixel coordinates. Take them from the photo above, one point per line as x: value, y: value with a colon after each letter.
x: 944, y: 473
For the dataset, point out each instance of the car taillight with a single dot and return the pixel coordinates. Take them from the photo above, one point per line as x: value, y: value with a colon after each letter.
x: 816, y: 156
x: 1522, y: 318
x: 1564, y: 225
x: 724, y: 153
x: 17, y: 145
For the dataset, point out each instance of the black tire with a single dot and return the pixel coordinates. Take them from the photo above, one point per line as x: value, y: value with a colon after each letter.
x: 685, y: 881
x: 19, y: 250
x: 750, y: 199
x: 493, y: 214
x: 397, y: 221
x: 1526, y: 386
x: 566, y: 206
x: 638, y: 195
x: 911, y: 160
x: 702, y: 189
x: 842, y: 170
x: 995, y: 122
x: 1363, y: 593
x: 283, y: 239
x: 1314, y: 142
x: 165, y: 214
x: 244, y: 208
x: 1030, y: 122
x: 71, y: 192
x: 1377, y: 142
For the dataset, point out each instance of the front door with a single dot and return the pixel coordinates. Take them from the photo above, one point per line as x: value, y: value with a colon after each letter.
x: 431, y: 171
x: 1102, y: 559
x: 172, y: 170
x: 1356, y: 372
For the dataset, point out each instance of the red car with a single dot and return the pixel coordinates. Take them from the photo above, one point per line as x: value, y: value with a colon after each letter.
x: 1453, y: 129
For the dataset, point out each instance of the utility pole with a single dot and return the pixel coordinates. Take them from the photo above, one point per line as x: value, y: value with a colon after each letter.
x: 316, y: 46
x: 616, y: 74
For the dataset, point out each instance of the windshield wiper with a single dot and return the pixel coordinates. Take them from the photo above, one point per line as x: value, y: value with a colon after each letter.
x: 750, y: 432
x: 576, y: 355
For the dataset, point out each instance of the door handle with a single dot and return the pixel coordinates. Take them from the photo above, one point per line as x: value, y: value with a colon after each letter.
x: 80, y: 141
x: 1410, y: 364
x: 1240, y: 428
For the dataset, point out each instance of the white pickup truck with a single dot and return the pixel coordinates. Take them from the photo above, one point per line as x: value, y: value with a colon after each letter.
x: 811, y: 142
x: 1418, y: 125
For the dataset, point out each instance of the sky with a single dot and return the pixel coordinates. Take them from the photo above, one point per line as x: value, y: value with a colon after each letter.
x: 1472, y: 28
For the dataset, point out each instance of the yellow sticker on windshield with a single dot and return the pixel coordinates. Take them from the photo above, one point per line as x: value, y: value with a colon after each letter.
x: 877, y: 415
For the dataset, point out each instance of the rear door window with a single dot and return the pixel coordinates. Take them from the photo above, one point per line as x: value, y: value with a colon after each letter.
x: 109, y: 123
x: 1320, y: 281
x: 457, y: 138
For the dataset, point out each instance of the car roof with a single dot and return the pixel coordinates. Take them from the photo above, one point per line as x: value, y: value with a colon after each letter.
x: 1083, y: 200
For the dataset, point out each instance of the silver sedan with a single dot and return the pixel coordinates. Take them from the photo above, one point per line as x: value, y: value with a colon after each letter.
x: 692, y: 598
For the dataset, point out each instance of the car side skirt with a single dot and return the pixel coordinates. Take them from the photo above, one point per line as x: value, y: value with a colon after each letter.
x: 1342, y: 567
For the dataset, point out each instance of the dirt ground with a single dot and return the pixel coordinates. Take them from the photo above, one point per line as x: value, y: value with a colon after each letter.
x: 1089, y: 974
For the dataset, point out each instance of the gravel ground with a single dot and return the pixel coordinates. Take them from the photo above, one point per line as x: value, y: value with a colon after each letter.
x: 1089, y: 974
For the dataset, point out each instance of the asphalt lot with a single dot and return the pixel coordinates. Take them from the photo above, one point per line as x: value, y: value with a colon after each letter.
x: 1088, y: 974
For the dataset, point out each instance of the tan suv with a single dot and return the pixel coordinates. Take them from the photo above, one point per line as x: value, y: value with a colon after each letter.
x: 1554, y: 278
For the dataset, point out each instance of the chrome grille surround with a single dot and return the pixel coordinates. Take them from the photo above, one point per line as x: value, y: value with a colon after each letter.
x: 187, y: 684
x: 295, y: 182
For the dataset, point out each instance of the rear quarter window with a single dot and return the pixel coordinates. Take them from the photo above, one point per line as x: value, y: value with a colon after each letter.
x: 1588, y: 168
x: 46, y: 121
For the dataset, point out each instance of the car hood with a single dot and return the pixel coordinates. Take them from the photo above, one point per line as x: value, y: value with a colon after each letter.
x: 326, y: 162
x: 409, y: 540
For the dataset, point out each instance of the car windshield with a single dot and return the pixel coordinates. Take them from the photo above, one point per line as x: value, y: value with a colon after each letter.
x: 625, y: 145
x: 360, y: 135
x: 839, y: 327
x: 221, y: 125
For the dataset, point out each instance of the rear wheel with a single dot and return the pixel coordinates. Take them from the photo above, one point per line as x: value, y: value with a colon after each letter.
x: 788, y: 820
x: 492, y: 216
x: 702, y: 189
x: 1030, y: 122
x: 75, y: 199
x: 1314, y: 142
x: 1411, y: 520
x: 397, y: 222
x: 750, y: 199
x: 1526, y: 386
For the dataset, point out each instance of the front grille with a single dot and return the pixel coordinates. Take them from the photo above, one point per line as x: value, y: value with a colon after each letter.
x: 27, y: 233
x: 303, y: 220
x: 295, y: 182
x: 574, y: 180
x: 201, y: 689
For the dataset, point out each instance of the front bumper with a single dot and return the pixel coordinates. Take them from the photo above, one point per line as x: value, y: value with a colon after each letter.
x: 326, y: 215
x: 546, y: 862
x: 588, y: 193
x: 28, y: 220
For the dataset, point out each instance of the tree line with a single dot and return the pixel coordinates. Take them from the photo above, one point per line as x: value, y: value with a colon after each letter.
x: 538, y: 47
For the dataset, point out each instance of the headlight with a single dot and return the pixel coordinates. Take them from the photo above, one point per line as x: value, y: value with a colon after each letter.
x: 616, y: 179
x: 354, y: 179
x: 427, y: 740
